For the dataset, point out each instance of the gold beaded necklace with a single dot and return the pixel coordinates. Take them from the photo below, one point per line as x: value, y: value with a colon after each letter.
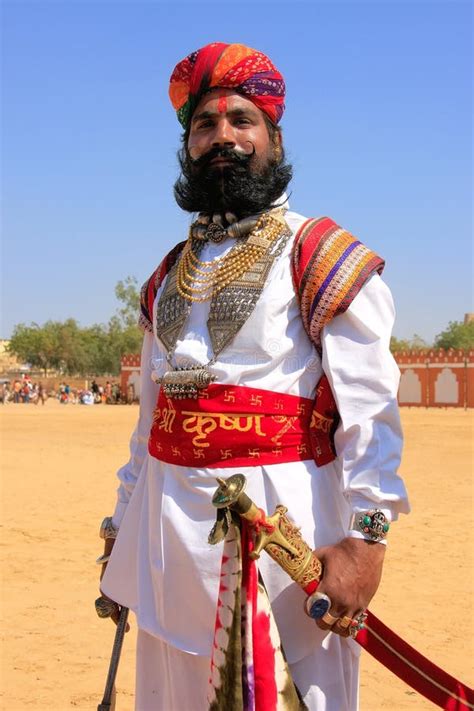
x: 233, y: 283
x: 199, y: 280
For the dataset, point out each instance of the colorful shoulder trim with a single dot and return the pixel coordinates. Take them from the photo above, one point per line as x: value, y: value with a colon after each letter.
x: 330, y: 267
x: 151, y: 286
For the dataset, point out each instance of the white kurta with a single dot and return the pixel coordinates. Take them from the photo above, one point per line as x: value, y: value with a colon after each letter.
x: 162, y: 566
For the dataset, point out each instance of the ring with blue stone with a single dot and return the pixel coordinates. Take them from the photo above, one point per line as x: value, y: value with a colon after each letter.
x: 316, y: 605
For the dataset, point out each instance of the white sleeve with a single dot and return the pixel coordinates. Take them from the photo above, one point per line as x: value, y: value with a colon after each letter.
x: 364, y: 379
x: 128, y: 474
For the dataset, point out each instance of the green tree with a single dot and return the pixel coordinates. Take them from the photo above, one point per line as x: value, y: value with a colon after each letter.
x: 56, y: 345
x: 128, y: 293
x: 397, y: 345
x: 121, y: 340
x: 456, y: 335
x: 94, y: 348
x: 73, y: 356
x: 36, y: 345
x: 123, y: 333
x: 415, y: 343
x: 72, y: 350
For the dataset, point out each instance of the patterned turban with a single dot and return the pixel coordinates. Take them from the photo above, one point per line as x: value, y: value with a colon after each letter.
x: 227, y: 66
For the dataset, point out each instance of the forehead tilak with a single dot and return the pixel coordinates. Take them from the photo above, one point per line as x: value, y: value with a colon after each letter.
x: 222, y: 103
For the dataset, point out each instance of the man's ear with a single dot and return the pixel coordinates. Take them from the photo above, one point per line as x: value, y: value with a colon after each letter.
x: 277, y: 144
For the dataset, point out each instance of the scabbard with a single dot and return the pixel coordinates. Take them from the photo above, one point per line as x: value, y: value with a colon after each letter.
x: 413, y: 668
x: 278, y: 536
x: 108, y: 700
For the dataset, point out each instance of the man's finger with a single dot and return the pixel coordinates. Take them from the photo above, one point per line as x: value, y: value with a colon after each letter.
x: 343, y: 626
x: 328, y: 620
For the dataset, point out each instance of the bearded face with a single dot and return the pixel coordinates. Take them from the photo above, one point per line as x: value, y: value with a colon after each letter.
x: 232, y: 160
x: 240, y: 185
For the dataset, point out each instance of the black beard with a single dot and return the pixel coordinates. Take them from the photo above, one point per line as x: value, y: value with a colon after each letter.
x: 243, y: 188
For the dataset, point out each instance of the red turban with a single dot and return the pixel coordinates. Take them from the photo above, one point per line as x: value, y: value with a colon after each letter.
x: 227, y: 66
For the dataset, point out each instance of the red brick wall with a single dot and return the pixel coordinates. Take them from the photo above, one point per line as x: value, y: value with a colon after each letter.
x: 470, y: 379
x: 130, y: 369
x: 436, y: 378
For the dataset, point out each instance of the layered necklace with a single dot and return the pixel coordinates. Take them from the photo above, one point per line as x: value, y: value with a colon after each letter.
x: 233, y: 283
x: 199, y: 280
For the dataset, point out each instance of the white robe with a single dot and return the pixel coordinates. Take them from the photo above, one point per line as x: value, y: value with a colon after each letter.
x: 162, y: 566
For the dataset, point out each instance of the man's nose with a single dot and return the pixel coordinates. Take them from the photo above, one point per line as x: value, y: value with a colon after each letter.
x: 223, y: 135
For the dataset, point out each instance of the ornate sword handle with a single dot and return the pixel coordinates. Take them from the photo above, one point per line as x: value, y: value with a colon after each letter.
x: 276, y: 534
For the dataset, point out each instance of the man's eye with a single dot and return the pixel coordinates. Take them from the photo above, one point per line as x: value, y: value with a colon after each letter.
x: 242, y: 121
x: 205, y: 124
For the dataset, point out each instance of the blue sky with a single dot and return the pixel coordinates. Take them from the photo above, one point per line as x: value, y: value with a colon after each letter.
x: 377, y: 126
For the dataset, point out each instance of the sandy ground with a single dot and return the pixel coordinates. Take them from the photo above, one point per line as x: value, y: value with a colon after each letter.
x: 59, y: 467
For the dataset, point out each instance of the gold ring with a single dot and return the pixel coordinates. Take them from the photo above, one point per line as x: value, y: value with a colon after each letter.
x: 344, y: 622
x: 329, y: 619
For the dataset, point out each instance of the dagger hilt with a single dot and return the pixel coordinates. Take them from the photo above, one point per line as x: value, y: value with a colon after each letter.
x: 276, y: 534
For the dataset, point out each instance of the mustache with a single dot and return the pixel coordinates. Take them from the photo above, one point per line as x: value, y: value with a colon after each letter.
x: 238, y: 157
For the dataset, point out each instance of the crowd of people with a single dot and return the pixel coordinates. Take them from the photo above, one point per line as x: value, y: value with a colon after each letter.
x: 109, y: 394
x: 26, y: 391
x: 22, y: 391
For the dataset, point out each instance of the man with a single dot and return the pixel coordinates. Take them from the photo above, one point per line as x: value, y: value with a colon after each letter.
x: 17, y: 391
x: 40, y: 394
x: 238, y: 352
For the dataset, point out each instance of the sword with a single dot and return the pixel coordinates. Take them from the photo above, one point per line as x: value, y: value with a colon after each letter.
x: 282, y: 540
x: 108, y: 701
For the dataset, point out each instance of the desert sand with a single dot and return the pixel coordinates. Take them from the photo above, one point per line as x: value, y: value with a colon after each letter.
x: 58, y: 465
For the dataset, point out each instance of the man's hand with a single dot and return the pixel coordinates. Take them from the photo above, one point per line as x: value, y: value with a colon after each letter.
x: 352, y: 572
x: 108, y: 545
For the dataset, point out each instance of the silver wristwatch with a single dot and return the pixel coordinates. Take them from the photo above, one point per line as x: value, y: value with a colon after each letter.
x: 373, y: 524
x: 107, y: 528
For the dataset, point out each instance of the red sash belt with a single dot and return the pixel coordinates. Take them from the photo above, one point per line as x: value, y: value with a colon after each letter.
x: 236, y: 426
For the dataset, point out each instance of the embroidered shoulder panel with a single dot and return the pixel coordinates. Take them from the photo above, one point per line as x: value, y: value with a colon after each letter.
x: 330, y: 266
x: 151, y: 286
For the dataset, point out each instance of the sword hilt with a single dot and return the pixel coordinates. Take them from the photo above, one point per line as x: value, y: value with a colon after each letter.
x: 276, y: 534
